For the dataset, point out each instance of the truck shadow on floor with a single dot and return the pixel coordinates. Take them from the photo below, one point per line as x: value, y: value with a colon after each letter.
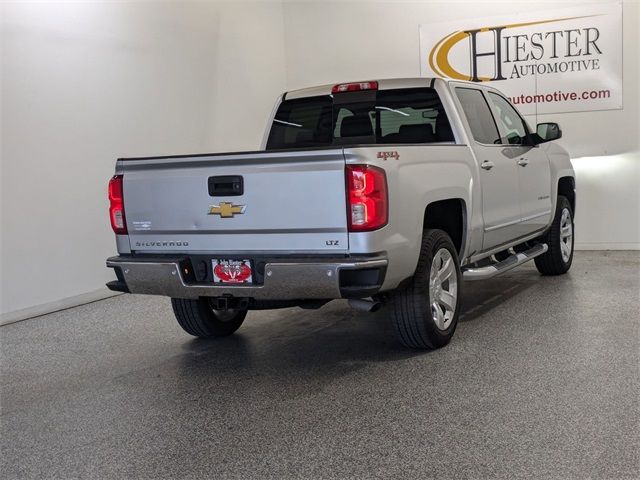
x: 334, y: 339
x: 480, y: 298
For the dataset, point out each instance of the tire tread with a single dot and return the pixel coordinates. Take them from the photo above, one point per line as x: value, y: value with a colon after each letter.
x: 197, y: 319
x: 410, y: 310
x: 551, y: 262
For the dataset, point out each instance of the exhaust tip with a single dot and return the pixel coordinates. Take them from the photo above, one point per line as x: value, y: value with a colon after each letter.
x: 364, y: 305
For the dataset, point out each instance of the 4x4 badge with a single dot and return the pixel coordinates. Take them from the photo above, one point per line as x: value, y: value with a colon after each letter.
x: 385, y: 155
x: 226, y: 209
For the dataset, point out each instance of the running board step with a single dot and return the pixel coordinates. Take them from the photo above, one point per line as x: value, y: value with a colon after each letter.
x: 507, y: 264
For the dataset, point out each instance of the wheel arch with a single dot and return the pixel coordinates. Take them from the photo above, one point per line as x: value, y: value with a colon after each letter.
x: 567, y: 188
x: 449, y: 215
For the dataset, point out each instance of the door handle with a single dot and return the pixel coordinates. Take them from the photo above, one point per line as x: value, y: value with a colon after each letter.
x: 487, y: 165
x: 523, y: 162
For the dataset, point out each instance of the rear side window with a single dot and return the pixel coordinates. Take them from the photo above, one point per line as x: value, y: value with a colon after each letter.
x: 401, y: 116
x: 412, y: 116
x: 475, y: 107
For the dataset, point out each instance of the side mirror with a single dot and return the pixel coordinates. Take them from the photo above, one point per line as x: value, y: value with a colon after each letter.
x: 546, y: 132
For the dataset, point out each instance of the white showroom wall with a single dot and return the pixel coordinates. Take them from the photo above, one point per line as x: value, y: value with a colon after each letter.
x: 332, y: 42
x: 86, y: 82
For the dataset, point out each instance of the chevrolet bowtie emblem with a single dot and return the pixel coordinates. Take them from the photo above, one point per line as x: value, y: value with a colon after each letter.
x: 227, y: 209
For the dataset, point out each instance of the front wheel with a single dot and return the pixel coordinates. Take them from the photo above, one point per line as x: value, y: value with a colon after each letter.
x: 425, y: 314
x: 200, y: 319
x: 557, y: 260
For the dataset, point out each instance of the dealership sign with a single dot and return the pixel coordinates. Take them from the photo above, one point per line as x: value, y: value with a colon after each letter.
x: 550, y: 61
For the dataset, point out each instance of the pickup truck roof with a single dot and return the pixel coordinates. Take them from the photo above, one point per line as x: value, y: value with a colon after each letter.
x: 383, y: 84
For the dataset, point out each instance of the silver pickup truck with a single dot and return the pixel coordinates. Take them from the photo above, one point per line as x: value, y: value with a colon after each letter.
x: 388, y: 192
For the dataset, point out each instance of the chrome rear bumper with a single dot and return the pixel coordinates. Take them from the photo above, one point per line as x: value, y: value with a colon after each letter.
x: 309, y: 279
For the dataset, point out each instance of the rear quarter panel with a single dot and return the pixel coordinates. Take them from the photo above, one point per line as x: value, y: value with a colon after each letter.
x: 422, y: 174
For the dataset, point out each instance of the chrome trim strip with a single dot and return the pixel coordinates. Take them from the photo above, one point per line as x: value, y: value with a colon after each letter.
x: 513, y: 222
x: 531, y: 217
x: 502, y: 225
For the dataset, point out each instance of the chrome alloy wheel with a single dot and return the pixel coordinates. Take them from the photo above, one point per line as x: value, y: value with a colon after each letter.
x: 566, y: 235
x: 443, y: 288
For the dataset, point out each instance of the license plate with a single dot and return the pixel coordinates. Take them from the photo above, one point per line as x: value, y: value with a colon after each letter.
x: 232, y: 271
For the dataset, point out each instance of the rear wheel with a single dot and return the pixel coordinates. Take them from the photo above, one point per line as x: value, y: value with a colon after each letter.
x: 200, y: 319
x: 425, y: 314
x: 557, y: 260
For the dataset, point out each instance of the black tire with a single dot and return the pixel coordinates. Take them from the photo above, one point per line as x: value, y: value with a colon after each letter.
x: 198, y: 318
x: 554, y: 262
x: 413, y: 318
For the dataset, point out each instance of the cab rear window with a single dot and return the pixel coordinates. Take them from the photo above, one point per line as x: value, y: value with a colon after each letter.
x: 401, y: 116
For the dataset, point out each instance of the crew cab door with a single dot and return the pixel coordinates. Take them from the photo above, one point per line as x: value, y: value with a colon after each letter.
x: 534, y: 176
x: 498, y: 170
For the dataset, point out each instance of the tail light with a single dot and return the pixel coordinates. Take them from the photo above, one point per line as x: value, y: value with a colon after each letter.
x: 116, y: 205
x: 367, y: 198
x: 354, y: 87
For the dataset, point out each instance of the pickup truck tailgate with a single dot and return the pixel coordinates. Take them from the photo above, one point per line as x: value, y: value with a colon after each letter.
x: 259, y: 201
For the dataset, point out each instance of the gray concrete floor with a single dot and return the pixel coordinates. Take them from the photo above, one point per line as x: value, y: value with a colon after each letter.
x: 541, y: 381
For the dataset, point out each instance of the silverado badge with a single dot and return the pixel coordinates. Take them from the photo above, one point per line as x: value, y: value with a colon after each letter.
x: 226, y: 209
